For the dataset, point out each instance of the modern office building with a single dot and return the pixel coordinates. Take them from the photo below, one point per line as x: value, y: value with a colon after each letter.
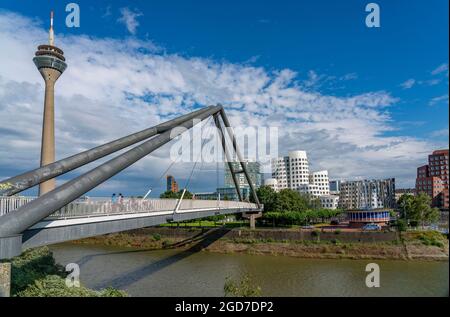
x: 433, y: 179
x: 205, y: 196
x: 51, y: 63
x: 335, y: 187
x: 253, y: 169
x: 172, y: 185
x: 272, y: 183
x: 224, y: 193
x: 367, y: 194
x: 404, y: 191
x: 321, y: 180
x: 329, y: 201
x: 292, y: 172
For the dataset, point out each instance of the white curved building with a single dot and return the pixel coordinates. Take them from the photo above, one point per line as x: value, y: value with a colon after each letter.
x: 292, y: 172
x: 272, y: 183
x: 321, y: 180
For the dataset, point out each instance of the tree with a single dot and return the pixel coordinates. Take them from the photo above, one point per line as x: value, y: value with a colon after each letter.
x: 405, y: 203
x: 171, y: 195
x: 268, y: 197
x: 290, y: 200
x: 417, y: 209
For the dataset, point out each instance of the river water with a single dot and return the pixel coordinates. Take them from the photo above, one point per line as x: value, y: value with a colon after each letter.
x: 176, y: 273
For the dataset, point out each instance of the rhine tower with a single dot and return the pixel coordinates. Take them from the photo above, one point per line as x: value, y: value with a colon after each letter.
x: 51, y: 64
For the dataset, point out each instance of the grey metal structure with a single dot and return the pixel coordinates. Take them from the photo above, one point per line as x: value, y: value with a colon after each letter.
x: 14, y: 224
x: 227, y: 156
x: 238, y: 153
x: 29, y: 179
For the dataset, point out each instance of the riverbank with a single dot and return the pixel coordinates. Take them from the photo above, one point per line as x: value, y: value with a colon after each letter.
x: 36, y: 274
x: 314, y: 244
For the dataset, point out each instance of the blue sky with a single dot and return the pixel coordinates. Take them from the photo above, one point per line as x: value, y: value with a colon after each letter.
x: 324, y: 43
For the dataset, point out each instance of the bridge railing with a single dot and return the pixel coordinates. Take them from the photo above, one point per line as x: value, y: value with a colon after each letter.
x: 93, y: 207
x: 8, y: 204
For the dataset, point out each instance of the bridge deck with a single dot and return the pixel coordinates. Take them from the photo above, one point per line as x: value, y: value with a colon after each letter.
x: 92, y: 217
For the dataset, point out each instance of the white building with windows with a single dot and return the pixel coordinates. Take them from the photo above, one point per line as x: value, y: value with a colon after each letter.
x: 292, y: 172
x: 329, y: 201
x: 272, y: 183
x: 321, y: 180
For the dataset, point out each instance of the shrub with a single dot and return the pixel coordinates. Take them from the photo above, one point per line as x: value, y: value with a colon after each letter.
x: 156, y: 237
x: 431, y: 240
x: 334, y: 241
x: 337, y: 231
x: 35, y: 274
x: 55, y: 286
x: 401, y: 225
x: 244, y: 287
x: 32, y: 265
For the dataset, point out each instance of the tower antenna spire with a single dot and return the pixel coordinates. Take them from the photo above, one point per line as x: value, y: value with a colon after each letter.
x: 51, y: 34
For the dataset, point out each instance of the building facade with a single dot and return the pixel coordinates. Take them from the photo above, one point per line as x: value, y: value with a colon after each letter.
x: 335, y: 187
x: 253, y: 169
x: 272, y: 183
x: 404, y: 191
x: 292, y: 172
x: 321, y: 180
x: 172, y: 185
x: 367, y: 194
x: 359, y: 218
x: 224, y: 193
x: 433, y: 179
x: 329, y: 202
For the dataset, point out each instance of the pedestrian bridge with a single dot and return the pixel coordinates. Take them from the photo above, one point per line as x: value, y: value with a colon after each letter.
x: 96, y: 216
x: 59, y: 214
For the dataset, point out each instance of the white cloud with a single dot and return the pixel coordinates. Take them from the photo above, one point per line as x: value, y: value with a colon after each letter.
x: 129, y: 19
x: 438, y: 100
x: 113, y: 87
x: 408, y: 84
x: 440, y: 133
x: 349, y: 76
x: 440, y: 69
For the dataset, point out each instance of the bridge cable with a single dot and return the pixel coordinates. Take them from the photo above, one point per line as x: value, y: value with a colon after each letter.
x: 193, y: 168
x: 167, y: 169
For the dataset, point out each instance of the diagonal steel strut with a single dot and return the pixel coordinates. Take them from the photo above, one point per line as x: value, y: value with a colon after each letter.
x: 29, y: 179
x: 26, y: 216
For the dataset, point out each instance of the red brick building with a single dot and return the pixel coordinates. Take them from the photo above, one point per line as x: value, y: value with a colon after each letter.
x: 433, y: 178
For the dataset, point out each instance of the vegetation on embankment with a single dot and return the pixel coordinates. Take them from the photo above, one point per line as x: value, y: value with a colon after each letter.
x: 36, y: 274
x: 408, y: 245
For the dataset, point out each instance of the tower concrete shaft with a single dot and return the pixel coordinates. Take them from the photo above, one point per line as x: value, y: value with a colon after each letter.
x: 48, y: 125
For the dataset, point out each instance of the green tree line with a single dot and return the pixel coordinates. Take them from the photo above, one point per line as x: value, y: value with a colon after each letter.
x: 416, y: 210
x: 289, y: 207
